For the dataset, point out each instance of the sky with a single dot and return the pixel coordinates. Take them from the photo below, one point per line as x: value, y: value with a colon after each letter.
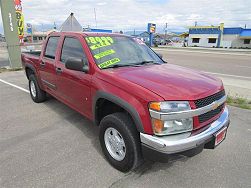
x: 128, y: 15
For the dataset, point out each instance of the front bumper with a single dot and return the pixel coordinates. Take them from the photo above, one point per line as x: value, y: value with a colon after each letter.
x: 185, y: 141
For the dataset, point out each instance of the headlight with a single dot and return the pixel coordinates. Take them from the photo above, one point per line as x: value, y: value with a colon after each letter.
x: 170, y: 106
x: 172, y: 126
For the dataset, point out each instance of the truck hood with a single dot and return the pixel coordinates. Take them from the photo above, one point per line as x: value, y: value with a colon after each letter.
x: 171, y: 82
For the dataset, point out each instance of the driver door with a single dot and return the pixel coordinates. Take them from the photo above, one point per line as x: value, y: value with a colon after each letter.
x: 73, y: 86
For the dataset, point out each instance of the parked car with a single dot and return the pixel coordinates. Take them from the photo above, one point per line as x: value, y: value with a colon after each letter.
x: 145, y: 107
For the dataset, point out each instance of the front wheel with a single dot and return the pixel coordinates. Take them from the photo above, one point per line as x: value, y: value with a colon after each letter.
x: 120, y: 141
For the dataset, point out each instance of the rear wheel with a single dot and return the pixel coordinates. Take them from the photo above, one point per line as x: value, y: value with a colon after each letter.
x: 120, y: 141
x: 37, y: 94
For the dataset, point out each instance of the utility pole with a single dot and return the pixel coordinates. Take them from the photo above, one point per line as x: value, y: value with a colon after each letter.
x: 55, y: 26
x: 43, y: 28
x: 165, y: 32
x: 95, y: 18
x: 11, y: 32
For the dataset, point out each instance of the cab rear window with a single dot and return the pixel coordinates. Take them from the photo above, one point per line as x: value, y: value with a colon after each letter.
x: 51, y: 47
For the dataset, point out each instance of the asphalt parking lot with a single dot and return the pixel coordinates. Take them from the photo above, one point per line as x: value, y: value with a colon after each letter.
x: 234, y: 68
x: 50, y: 145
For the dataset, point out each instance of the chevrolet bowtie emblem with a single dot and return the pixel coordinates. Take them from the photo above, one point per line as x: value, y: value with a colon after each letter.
x: 215, y: 105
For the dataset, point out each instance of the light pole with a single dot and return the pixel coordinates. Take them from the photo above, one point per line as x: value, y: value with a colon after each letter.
x: 165, y: 33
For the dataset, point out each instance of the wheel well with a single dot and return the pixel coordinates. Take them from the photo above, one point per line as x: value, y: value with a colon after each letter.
x: 105, y: 107
x: 28, y: 72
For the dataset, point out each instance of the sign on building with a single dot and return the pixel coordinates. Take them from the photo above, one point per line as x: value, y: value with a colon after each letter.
x: 29, y: 28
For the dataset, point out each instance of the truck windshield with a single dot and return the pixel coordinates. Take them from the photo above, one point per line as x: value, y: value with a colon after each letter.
x: 119, y: 51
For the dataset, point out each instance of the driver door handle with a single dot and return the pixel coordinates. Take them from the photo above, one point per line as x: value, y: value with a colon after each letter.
x: 42, y: 64
x: 59, y: 70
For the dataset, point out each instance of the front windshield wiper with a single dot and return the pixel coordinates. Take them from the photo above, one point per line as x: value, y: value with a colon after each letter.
x: 131, y: 64
x: 119, y: 65
x: 146, y: 62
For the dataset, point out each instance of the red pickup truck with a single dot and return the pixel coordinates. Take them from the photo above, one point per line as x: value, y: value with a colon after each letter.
x: 145, y: 107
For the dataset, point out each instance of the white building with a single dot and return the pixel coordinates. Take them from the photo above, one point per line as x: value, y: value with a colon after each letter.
x: 37, y: 36
x: 218, y: 36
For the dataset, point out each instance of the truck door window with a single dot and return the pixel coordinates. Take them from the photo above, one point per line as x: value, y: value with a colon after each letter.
x: 72, y: 48
x: 51, y: 47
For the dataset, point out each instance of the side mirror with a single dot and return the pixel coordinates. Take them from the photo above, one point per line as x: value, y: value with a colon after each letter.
x: 77, y: 64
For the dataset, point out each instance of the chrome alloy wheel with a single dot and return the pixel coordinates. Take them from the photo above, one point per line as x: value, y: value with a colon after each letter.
x: 115, y: 144
x: 33, y: 89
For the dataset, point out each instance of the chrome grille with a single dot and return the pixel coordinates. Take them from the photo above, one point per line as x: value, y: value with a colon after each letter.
x: 207, y: 116
x: 206, y: 101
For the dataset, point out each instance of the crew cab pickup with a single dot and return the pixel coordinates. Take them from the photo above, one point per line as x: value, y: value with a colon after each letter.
x: 144, y: 106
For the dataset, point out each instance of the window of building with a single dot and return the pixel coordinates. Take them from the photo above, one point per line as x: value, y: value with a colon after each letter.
x: 51, y: 47
x: 72, y: 48
x: 212, y: 40
x: 196, y: 40
x: 40, y: 38
x: 246, y: 41
x: 34, y: 38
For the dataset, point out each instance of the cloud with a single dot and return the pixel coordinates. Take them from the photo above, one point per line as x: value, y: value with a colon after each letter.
x: 101, y: 4
x: 135, y: 14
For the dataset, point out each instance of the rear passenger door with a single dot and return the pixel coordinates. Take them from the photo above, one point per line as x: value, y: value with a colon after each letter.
x: 73, y: 86
x: 47, y: 65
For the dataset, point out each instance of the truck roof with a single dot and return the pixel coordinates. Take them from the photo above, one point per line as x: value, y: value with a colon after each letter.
x: 88, y: 33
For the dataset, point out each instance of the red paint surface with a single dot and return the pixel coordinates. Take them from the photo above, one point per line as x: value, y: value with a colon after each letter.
x: 136, y: 85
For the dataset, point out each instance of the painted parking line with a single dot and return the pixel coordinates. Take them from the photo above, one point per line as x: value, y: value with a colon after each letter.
x: 13, y: 85
x: 248, y: 67
x: 203, y: 52
x: 228, y: 75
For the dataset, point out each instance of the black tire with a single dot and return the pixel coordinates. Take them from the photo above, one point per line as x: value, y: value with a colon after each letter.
x: 40, y: 95
x: 125, y: 126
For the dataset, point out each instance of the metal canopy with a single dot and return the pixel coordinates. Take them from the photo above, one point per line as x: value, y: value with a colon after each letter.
x: 71, y: 24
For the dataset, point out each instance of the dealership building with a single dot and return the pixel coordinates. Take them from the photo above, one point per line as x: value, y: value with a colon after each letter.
x: 219, y: 36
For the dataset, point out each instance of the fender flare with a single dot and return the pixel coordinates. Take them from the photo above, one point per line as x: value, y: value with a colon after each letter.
x: 30, y: 67
x: 120, y: 102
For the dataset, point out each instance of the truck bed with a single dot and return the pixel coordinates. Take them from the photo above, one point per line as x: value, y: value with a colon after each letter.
x: 35, y: 53
x: 31, y: 57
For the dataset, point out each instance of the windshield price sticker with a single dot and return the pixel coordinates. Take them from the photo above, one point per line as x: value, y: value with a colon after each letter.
x: 105, y: 53
x: 98, y: 42
x: 109, y: 63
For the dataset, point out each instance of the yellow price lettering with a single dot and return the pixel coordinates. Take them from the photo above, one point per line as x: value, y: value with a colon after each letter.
x: 99, y: 42
x: 87, y: 39
x: 109, y: 62
x: 92, y: 40
x: 105, y: 53
x: 104, y: 39
x: 109, y: 39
